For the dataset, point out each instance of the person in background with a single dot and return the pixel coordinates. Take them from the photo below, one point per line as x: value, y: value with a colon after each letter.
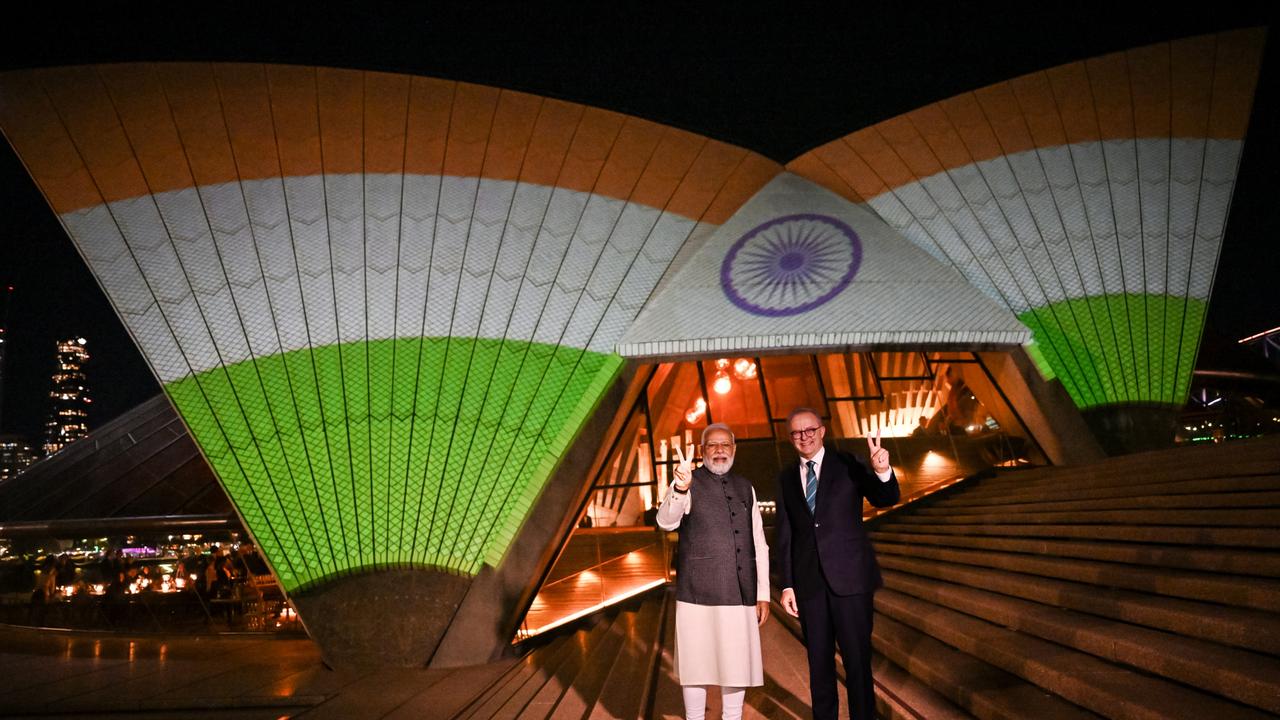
x: 45, y: 591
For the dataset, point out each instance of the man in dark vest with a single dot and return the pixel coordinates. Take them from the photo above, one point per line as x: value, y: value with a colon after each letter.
x: 829, y: 570
x: 722, y: 581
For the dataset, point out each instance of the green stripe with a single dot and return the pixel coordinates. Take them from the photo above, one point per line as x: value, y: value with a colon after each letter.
x: 391, y: 453
x: 1141, y: 349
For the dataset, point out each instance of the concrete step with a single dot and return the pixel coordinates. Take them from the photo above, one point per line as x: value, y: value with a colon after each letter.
x: 1257, y: 518
x: 1232, y: 561
x: 1248, y: 592
x: 1105, y: 688
x: 548, y: 696
x: 590, y: 681
x: 1250, y: 457
x: 1246, y: 677
x: 447, y: 697
x: 1056, y: 503
x: 1236, y: 627
x: 513, y: 700
x: 667, y: 700
x: 1121, y: 470
x: 975, y: 686
x: 597, y: 661
x: 526, y: 675
x: 905, y: 693
x: 626, y: 690
x: 1266, y: 538
x: 899, y: 696
x: 1173, y: 469
x: 975, y: 495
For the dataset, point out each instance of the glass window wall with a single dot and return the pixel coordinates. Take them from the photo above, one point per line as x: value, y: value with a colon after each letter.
x: 940, y: 413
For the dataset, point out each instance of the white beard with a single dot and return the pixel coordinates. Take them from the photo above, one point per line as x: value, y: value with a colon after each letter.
x: 719, y: 467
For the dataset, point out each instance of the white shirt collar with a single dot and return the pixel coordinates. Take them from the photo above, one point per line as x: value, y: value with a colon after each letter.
x: 817, y: 462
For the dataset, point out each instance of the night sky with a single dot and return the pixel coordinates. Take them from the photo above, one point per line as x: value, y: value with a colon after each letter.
x: 777, y: 84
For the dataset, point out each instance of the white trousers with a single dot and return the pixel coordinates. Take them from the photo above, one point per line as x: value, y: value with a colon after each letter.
x: 695, y: 702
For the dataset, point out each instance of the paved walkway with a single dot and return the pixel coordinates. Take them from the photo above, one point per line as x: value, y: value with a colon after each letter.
x: 53, y: 674
x: 785, y: 693
x: 63, y: 674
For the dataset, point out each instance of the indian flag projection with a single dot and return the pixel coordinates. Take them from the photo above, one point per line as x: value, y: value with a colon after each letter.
x: 384, y: 305
x: 1090, y: 199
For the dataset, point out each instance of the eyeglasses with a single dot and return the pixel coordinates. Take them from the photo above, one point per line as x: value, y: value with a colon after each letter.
x: 717, y: 446
x: 805, y: 434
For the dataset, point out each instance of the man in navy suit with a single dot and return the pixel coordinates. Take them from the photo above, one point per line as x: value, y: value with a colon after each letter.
x: 829, y: 570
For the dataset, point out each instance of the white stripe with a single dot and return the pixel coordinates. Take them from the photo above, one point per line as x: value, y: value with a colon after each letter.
x: 265, y: 266
x: 1076, y: 221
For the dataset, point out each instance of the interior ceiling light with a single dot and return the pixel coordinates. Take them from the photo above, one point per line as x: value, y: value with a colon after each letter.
x: 696, y: 412
x: 723, y: 384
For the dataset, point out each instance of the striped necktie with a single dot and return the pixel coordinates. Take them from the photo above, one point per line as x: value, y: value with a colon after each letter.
x: 811, y: 487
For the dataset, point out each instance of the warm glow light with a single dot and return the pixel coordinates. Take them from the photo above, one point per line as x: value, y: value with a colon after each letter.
x: 722, y: 384
x: 696, y: 412
x: 744, y: 368
x: 934, y: 460
x: 598, y: 606
x: 643, y: 476
x: 1255, y: 336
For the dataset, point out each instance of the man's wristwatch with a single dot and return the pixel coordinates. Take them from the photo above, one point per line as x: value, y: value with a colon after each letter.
x: 676, y: 487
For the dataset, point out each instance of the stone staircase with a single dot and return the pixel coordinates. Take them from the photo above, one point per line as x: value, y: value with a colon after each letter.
x: 605, y: 668
x: 1145, y: 586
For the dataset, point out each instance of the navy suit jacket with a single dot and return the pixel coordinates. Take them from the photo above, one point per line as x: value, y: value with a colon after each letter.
x: 829, y: 548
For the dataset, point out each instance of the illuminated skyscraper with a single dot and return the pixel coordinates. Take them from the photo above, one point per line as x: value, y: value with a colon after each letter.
x: 69, y: 398
x: 15, y: 455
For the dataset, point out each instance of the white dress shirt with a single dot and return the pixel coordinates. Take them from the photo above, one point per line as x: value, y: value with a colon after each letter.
x: 817, y: 468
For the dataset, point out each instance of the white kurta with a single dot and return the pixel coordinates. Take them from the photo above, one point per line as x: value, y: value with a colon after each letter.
x: 718, y: 644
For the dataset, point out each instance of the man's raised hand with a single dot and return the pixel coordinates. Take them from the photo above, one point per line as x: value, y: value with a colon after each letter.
x: 879, y: 456
x: 684, y: 470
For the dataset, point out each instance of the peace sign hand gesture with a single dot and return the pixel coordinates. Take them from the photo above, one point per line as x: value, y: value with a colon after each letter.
x: 684, y: 471
x: 879, y: 456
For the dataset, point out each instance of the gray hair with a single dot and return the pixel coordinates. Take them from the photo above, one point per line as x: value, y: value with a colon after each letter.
x: 717, y: 426
x: 804, y: 411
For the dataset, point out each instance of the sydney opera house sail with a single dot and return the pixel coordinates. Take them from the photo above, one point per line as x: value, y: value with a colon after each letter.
x: 384, y: 305
x: 1090, y: 199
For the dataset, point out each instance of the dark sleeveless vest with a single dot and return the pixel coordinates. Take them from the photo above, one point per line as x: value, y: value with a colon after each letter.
x: 717, y: 561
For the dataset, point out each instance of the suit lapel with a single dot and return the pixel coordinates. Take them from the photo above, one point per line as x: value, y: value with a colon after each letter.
x: 797, y: 488
x: 831, y: 469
